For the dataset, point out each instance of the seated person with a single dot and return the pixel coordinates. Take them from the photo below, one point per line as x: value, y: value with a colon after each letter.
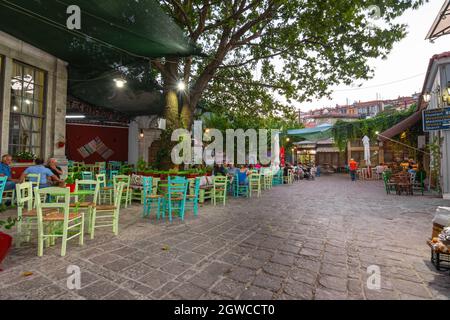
x: 380, y: 168
x: 5, y: 171
x: 243, y: 175
x: 52, y: 164
x: 45, y: 173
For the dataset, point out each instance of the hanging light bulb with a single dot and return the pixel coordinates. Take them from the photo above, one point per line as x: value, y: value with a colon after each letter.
x: 141, y: 134
x: 181, y: 86
x: 120, y: 82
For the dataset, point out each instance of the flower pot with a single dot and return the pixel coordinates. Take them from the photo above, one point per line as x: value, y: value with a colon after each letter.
x: 24, y: 161
x: 5, y: 245
x: 71, y: 187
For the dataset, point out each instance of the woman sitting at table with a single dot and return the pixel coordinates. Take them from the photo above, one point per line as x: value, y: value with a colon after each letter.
x: 243, y: 175
x: 48, y: 178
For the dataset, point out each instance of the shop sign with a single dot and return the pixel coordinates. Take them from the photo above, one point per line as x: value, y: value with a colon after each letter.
x: 436, y: 119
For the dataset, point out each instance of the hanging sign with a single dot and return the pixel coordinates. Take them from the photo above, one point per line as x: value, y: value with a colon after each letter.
x: 436, y: 119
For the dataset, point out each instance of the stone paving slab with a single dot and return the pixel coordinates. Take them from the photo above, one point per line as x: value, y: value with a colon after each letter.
x: 310, y: 240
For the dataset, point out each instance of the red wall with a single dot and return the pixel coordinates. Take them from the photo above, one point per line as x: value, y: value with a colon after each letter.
x: 114, y: 138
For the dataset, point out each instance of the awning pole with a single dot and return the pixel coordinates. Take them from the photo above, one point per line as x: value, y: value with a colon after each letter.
x: 403, y: 144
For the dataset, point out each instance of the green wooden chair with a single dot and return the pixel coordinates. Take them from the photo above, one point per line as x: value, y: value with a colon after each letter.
x: 106, y: 192
x: 35, y: 179
x: 26, y: 214
x: 50, y: 224
x: 220, y: 190
x: 388, y: 185
x: 126, y: 193
x: 255, y: 184
x: 104, y: 216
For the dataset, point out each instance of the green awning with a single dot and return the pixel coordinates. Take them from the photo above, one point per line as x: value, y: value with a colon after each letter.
x: 321, y: 132
x: 117, y: 38
x: 130, y: 28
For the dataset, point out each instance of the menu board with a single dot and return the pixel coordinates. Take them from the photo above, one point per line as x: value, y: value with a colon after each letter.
x: 436, y: 119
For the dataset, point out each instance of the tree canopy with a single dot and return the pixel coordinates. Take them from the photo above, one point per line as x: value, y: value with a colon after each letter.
x: 257, y: 49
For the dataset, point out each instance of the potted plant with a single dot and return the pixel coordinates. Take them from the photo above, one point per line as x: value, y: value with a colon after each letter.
x: 192, y: 174
x: 173, y: 172
x: 70, y: 183
x: 25, y: 157
x: 5, y: 239
x: 141, y: 167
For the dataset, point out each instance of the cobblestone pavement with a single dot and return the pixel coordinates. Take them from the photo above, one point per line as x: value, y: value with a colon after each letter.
x: 311, y: 240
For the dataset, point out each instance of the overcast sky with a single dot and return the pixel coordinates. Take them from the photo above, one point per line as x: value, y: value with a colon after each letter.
x: 403, y: 73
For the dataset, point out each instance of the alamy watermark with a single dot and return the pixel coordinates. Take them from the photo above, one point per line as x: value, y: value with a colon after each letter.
x: 74, y: 279
x: 374, y: 278
x: 198, y: 147
x: 74, y: 19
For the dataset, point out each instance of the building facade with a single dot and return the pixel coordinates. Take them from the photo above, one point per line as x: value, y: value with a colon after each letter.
x: 436, y: 90
x: 33, y: 100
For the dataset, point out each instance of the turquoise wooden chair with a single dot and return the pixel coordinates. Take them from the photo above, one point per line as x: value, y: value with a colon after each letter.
x: 278, y: 178
x: 193, y: 198
x: 87, y: 175
x: 240, y: 189
x: 3, y: 181
x: 151, y: 199
x: 112, y: 174
x: 175, y: 199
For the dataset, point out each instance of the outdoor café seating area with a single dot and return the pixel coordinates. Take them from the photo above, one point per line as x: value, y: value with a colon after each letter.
x: 95, y: 194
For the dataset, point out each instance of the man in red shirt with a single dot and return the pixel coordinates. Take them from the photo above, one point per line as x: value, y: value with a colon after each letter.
x: 353, y: 166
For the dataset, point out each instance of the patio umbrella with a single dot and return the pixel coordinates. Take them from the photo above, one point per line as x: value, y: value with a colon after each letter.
x: 366, y: 143
x: 276, y: 151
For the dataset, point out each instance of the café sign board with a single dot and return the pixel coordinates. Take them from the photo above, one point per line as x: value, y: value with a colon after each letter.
x: 436, y: 119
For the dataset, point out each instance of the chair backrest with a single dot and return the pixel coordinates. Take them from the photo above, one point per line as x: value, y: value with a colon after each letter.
x: 147, y: 184
x: 177, y: 186
x: 87, y: 175
x: 196, y: 185
x: 34, y: 178
x: 3, y: 181
x: 220, y: 180
x: 122, y: 178
x: 89, y: 185
x: 101, y: 179
x: 118, y: 191
x: 255, y: 177
x: 56, y: 195
x: 412, y: 176
x: 24, y: 194
x: 112, y: 174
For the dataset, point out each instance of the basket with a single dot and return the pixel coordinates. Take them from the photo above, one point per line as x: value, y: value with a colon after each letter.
x: 437, y: 229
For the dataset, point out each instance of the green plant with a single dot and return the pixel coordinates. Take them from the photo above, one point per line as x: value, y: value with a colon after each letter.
x: 70, y: 180
x: 25, y: 155
x: 344, y: 131
x: 141, y: 165
x: 8, y: 223
x: 435, y: 150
